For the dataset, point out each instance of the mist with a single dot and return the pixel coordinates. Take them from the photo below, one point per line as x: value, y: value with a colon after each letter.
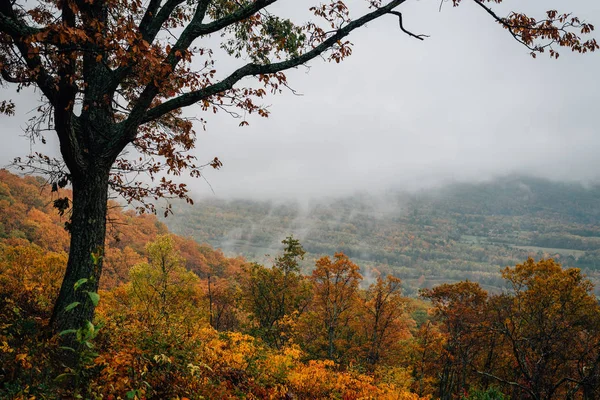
x: 467, y: 104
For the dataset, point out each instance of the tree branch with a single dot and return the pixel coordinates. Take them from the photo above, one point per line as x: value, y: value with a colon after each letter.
x: 524, y: 388
x: 420, y: 37
x: 150, y: 18
x: 504, y: 23
x: 11, y: 79
x: 252, y: 69
x: 151, y: 90
x: 230, y: 19
x: 566, y: 379
x: 150, y: 27
x: 66, y: 70
x: 18, y: 30
x: 194, y: 30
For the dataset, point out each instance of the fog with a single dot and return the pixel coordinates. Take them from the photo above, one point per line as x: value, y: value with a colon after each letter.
x: 466, y: 104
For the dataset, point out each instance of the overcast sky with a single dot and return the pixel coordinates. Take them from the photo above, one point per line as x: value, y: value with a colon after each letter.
x: 468, y: 103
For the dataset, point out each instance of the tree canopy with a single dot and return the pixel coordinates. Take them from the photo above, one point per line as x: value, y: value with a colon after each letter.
x: 115, y: 75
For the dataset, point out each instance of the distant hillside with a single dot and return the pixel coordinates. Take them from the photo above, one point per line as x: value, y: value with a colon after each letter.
x: 461, y: 231
x: 523, y: 196
x: 28, y: 219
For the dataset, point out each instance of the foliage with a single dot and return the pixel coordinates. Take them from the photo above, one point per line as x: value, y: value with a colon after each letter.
x: 540, y: 339
x: 548, y: 307
x: 335, y: 285
x: 29, y: 277
x: 459, y: 232
x: 163, y: 288
x: 276, y: 297
x: 320, y: 380
x: 489, y: 394
x: 461, y: 307
x: 386, y: 323
x: 114, y: 75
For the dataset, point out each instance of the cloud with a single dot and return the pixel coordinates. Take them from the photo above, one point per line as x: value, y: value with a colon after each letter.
x: 465, y: 104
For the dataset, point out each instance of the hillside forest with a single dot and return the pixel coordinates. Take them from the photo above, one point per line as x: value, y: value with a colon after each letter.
x: 446, y: 234
x: 180, y: 320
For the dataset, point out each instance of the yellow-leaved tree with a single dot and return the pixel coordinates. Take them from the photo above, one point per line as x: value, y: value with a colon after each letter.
x: 162, y: 295
x: 114, y: 76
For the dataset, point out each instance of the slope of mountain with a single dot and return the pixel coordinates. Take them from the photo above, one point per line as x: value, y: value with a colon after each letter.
x: 28, y: 219
x: 461, y: 231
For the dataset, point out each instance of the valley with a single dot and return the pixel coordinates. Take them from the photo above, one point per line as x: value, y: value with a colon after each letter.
x: 457, y: 232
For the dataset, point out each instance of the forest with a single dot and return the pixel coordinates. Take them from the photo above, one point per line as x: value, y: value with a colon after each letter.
x: 445, y: 234
x: 180, y: 320
x: 101, y: 300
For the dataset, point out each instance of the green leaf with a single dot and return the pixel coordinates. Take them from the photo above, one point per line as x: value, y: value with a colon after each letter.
x: 66, y: 332
x: 89, y: 328
x: 131, y: 394
x: 64, y: 376
x: 95, y: 297
x: 79, y: 283
x: 67, y: 348
x: 95, y: 258
x: 72, y: 306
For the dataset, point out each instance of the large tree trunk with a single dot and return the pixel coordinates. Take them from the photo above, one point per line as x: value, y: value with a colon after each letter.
x: 88, y: 230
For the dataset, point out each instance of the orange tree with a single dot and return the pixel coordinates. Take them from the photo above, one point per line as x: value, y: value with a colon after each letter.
x: 386, y: 319
x: 115, y: 74
x: 461, y: 309
x: 549, y: 324
x: 335, y: 287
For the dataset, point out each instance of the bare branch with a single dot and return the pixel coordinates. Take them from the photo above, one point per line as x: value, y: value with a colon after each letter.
x: 150, y: 19
x: 524, y: 388
x: 420, y: 37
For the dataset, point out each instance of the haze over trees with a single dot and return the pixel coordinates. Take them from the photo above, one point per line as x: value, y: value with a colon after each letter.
x: 180, y: 320
x: 115, y: 75
x: 458, y: 232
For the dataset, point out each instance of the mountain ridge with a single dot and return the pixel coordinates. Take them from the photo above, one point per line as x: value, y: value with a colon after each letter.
x: 459, y: 231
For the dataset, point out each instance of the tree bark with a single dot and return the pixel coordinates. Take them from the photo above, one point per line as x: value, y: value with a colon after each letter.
x: 331, y: 337
x: 88, y: 231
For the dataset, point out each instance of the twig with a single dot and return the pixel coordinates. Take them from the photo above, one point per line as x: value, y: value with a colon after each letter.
x: 399, y: 14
